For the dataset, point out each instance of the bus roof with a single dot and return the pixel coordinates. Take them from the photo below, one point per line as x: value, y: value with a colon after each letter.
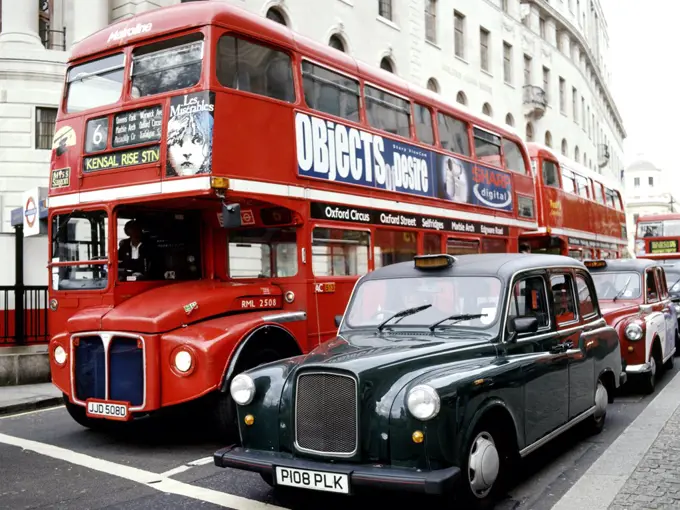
x: 658, y: 217
x: 167, y: 20
x: 534, y: 148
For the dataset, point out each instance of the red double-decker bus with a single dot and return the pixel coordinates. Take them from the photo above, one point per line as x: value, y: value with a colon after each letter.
x: 580, y: 212
x: 219, y: 183
x: 657, y: 236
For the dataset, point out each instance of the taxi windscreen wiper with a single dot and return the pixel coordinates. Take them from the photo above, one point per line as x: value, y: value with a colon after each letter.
x: 402, y: 314
x: 458, y: 318
x: 623, y: 290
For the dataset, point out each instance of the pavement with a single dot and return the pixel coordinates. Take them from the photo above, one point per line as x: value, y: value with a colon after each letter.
x: 640, y: 470
x: 28, y: 397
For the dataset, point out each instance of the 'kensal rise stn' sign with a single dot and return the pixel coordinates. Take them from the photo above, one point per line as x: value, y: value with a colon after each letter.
x: 338, y: 153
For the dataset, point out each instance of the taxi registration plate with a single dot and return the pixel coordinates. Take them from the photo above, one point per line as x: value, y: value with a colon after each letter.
x: 316, y: 480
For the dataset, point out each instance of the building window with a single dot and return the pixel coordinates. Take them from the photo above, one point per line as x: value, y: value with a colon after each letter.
x: 529, y: 131
x: 577, y: 154
x: 563, y: 100
x: 565, y: 148
x: 541, y: 28
x: 431, y: 20
x: 336, y: 42
x: 461, y: 98
x: 636, y: 182
x: 45, y: 119
x: 486, y: 110
x: 527, y: 70
x: 459, y: 35
x: 548, y: 139
x: 509, y: 119
x: 546, y: 84
x: 507, y: 62
x: 505, y: 5
x: 584, y: 119
x: 433, y: 85
x: 574, y: 104
x: 385, y: 9
x: 651, y: 179
x: 275, y: 14
x: 386, y: 64
x: 484, y: 49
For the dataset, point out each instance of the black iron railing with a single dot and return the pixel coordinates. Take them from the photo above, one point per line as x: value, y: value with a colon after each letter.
x: 23, y: 315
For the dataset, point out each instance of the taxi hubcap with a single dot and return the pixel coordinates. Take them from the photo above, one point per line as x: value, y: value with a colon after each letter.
x: 652, y: 365
x: 601, y: 400
x: 483, y: 464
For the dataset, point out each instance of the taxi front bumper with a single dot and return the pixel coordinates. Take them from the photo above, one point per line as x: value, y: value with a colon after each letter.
x: 438, y: 482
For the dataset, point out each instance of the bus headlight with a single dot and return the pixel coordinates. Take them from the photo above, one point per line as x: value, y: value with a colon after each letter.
x: 633, y: 332
x: 423, y: 402
x: 183, y: 361
x: 59, y: 355
x: 242, y: 389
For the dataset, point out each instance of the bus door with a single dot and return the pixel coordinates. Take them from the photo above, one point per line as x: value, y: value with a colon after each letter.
x: 339, y: 256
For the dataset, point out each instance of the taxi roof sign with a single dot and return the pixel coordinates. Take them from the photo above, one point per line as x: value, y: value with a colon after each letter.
x: 595, y: 263
x: 433, y: 261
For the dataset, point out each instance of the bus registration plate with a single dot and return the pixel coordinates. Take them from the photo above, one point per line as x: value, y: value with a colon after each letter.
x: 107, y: 409
x: 316, y: 480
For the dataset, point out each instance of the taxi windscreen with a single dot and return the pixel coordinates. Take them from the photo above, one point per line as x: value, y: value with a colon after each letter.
x: 621, y: 285
x: 470, y: 302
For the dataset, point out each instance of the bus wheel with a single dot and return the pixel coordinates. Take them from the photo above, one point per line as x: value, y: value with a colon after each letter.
x: 78, y: 414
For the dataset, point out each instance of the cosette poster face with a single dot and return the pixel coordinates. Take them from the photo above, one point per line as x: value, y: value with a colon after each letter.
x: 338, y: 153
x: 190, y: 134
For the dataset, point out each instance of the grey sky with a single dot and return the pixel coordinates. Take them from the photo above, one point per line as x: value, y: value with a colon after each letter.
x: 644, y: 41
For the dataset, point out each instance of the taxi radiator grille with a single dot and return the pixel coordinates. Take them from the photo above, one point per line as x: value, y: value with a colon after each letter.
x: 326, y: 413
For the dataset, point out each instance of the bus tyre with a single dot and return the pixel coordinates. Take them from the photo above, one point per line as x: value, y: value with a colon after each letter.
x: 78, y: 414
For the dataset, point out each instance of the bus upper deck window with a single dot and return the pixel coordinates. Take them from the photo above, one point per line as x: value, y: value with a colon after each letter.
x: 168, y: 65
x: 487, y: 147
x: 250, y: 67
x: 96, y: 83
x: 514, y: 160
x: 331, y: 92
x: 550, y: 177
x: 388, y: 112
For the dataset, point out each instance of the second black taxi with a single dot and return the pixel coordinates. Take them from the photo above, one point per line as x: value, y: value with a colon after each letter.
x: 445, y: 372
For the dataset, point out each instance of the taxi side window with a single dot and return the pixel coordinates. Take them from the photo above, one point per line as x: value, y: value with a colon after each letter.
x: 661, y: 279
x: 563, y: 298
x: 652, y: 291
x: 585, y: 297
x: 528, y: 299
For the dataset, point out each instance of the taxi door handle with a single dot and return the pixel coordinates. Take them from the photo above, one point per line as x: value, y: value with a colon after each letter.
x: 563, y: 347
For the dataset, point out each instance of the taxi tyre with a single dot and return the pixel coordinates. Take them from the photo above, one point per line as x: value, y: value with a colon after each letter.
x: 488, y: 445
x: 224, y: 408
x: 677, y: 340
x: 80, y: 417
x: 650, y: 378
x: 595, y: 423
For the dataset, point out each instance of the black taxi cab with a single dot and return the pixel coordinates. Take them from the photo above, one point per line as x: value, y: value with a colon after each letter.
x: 445, y: 371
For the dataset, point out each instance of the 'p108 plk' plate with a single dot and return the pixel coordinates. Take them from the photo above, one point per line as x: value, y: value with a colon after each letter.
x: 316, y: 480
x: 107, y: 409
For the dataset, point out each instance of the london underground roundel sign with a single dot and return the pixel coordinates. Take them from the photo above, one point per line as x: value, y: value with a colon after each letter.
x: 30, y: 212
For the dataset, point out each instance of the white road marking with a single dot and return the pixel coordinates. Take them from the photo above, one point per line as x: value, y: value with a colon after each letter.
x: 153, y: 480
x: 187, y: 466
x: 4, y: 417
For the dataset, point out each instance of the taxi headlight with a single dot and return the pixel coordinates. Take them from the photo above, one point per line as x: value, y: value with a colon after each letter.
x: 59, y: 355
x: 633, y: 332
x: 242, y: 389
x: 183, y: 361
x: 423, y: 402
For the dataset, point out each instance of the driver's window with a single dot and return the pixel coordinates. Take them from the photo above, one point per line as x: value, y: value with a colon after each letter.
x: 652, y: 290
x: 528, y: 299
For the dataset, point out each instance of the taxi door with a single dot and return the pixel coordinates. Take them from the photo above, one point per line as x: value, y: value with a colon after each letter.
x: 669, y: 313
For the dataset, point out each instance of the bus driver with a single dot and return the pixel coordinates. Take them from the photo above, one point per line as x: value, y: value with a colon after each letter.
x: 133, y: 258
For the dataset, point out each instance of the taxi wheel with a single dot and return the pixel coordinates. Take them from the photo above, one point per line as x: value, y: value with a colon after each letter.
x: 485, y: 466
x: 80, y: 417
x: 669, y: 363
x: 596, y: 421
x: 677, y: 341
x: 649, y: 379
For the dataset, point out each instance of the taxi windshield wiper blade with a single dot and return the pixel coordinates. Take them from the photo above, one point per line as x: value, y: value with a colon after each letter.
x: 402, y: 314
x: 458, y: 318
x: 623, y: 289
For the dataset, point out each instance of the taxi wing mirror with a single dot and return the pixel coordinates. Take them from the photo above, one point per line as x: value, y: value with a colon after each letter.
x: 522, y: 325
x: 338, y: 320
x: 231, y: 215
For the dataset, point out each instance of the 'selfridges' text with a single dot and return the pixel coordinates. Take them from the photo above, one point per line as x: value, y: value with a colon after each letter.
x: 336, y: 152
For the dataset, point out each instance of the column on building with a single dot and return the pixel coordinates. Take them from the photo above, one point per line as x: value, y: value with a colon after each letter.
x: 20, y: 23
x: 89, y: 16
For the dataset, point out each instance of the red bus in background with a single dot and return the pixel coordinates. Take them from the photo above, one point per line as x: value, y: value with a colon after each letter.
x: 218, y: 184
x: 580, y: 212
x: 657, y: 236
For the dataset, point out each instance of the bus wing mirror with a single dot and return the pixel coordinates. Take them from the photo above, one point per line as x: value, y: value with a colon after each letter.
x: 231, y: 215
